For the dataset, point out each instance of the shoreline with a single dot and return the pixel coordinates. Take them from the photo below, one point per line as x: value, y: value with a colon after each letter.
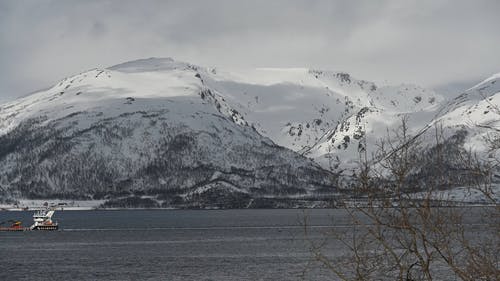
x: 30, y: 209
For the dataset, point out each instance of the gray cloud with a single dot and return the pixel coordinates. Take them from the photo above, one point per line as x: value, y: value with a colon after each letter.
x: 426, y: 42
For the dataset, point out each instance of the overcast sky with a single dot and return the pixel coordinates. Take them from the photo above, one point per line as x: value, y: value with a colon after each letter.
x: 430, y: 43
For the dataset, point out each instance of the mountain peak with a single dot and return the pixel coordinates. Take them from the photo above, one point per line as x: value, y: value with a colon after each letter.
x: 150, y: 65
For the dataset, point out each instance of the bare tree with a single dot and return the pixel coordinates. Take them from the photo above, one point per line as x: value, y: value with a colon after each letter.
x: 405, y: 228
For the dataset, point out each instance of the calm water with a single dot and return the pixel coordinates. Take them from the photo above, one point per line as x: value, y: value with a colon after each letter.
x: 176, y: 245
x: 165, y: 245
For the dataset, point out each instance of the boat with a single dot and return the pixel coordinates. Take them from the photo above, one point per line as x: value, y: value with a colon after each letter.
x: 15, y: 226
x: 42, y: 221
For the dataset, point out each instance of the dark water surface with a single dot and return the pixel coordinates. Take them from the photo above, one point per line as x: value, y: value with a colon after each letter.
x: 180, y: 245
x: 165, y: 245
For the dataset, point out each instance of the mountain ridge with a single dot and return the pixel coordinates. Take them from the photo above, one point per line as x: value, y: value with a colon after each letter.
x: 226, y: 139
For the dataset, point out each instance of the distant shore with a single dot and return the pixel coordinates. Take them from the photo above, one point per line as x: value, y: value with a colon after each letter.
x: 70, y: 205
x: 81, y: 205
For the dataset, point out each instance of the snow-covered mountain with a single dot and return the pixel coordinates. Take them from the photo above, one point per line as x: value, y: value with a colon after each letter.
x: 182, y: 135
x: 149, y: 132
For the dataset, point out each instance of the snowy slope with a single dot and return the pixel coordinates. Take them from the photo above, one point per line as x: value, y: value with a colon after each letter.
x: 98, y: 89
x: 321, y: 114
x: 476, y: 111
